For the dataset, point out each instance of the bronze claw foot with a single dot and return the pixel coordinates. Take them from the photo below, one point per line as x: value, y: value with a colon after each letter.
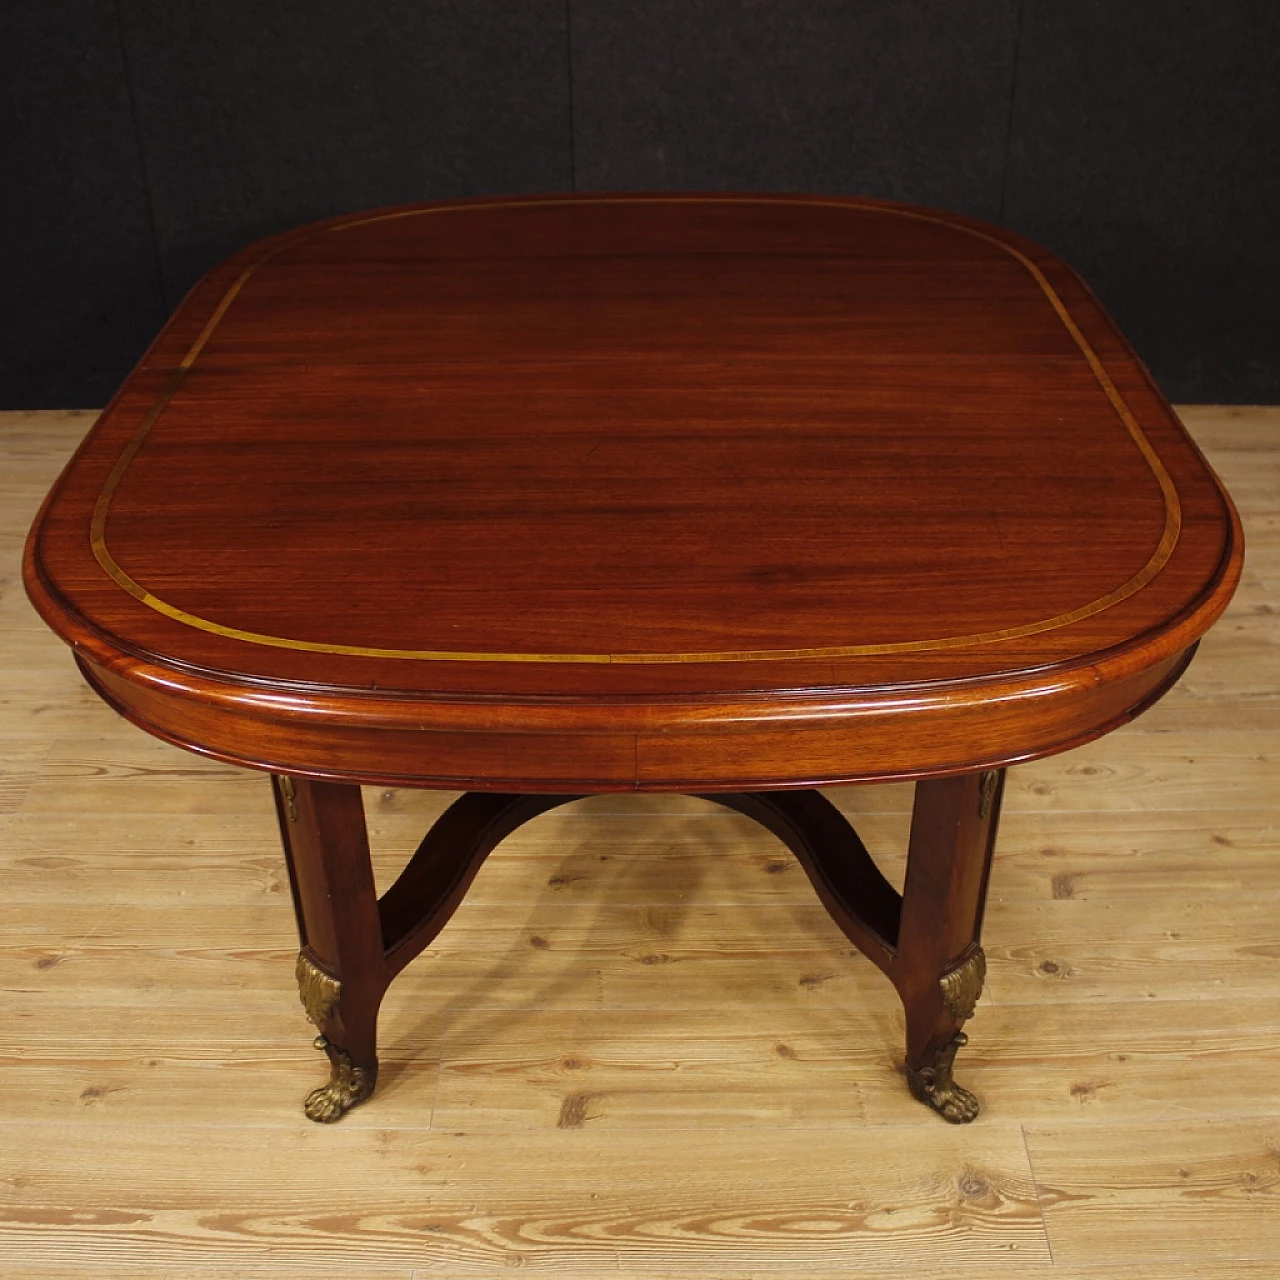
x: 934, y: 1086
x: 348, y: 1085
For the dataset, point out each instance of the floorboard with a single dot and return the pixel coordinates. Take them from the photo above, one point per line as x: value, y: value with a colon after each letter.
x: 641, y: 1048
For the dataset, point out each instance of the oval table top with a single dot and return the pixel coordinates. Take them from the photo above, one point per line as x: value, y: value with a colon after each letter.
x: 659, y: 491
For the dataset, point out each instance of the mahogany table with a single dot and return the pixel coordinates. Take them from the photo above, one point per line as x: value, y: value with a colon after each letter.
x: 733, y: 496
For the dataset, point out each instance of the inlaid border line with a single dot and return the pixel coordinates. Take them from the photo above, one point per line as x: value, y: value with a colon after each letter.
x: 1158, y: 559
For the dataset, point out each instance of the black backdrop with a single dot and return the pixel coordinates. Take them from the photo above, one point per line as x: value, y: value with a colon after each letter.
x: 145, y: 139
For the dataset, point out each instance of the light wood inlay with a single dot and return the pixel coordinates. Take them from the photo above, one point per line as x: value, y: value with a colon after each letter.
x: 652, y: 491
x: 279, y: 250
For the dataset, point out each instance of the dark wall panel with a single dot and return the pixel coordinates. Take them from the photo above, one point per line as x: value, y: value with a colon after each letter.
x: 142, y: 140
x: 907, y: 99
x: 78, y: 274
x: 259, y: 116
x: 1144, y: 151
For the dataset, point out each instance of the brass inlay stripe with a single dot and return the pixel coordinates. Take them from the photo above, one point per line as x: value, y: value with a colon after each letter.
x: 1159, y: 558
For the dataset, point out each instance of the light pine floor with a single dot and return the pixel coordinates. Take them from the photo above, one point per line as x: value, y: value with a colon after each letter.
x: 641, y: 1049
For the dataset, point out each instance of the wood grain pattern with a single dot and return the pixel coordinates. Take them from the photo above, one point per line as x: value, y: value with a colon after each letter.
x: 594, y: 737
x: 1164, y: 1189
x: 436, y: 1206
x: 665, y: 493
x: 160, y: 932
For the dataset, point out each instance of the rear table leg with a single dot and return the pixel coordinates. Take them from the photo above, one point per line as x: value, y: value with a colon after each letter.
x: 341, y: 971
x: 940, y: 966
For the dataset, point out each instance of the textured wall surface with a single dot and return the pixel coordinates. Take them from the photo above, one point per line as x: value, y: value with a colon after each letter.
x: 146, y: 139
x: 1145, y: 150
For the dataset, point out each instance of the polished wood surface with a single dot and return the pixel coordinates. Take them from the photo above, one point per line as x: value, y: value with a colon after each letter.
x: 641, y: 1047
x: 657, y: 492
x: 711, y: 494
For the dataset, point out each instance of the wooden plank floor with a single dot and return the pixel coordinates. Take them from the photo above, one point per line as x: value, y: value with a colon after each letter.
x: 641, y: 1049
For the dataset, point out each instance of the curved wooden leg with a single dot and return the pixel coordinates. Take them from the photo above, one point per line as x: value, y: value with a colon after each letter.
x: 848, y: 882
x: 926, y: 940
x: 434, y: 881
x: 352, y: 944
x: 940, y: 967
x: 340, y: 969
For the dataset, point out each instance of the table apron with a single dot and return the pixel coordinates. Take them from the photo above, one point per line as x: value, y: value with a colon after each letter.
x: 876, y: 743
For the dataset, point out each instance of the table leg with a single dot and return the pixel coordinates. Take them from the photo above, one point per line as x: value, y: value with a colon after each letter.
x: 353, y: 943
x: 340, y: 969
x: 926, y: 940
x: 940, y: 967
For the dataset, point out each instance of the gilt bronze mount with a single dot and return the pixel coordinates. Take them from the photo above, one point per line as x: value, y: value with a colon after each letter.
x: 934, y: 1084
x: 348, y: 1085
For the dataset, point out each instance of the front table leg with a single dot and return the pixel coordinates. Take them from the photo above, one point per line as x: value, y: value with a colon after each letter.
x: 341, y: 970
x: 927, y: 941
x: 940, y: 967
